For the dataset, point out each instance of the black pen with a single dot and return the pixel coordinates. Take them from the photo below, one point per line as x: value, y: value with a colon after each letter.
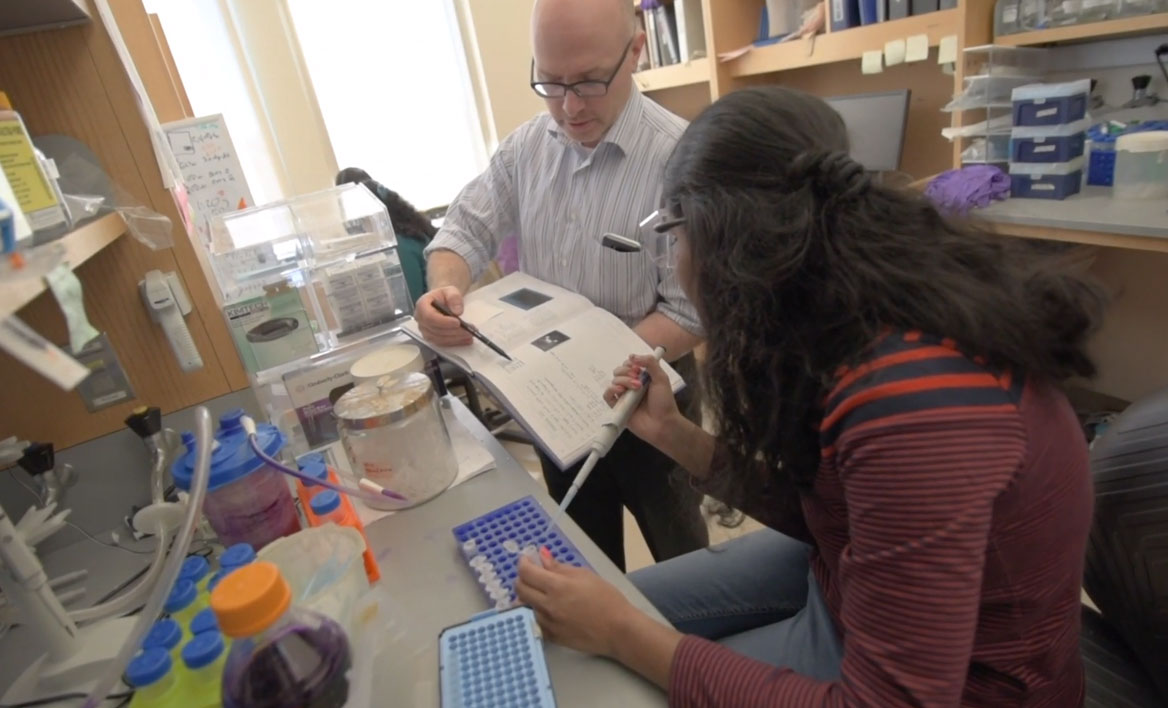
x: 474, y: 331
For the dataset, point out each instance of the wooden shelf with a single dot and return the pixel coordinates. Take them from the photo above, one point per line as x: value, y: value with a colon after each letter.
x: 691, y: 72
x: 844, y: 45
x: 80, y: 246
x: 1109, y: 29
x: 19, y: 16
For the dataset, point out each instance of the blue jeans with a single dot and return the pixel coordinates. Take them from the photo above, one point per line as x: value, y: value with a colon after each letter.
x: 755, y: 595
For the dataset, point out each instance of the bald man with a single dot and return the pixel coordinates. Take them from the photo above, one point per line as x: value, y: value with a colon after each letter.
x: 591, y: 165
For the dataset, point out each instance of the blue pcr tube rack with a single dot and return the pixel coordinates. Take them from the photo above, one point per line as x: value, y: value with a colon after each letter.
x: 495, y: 659
x: 492, y: 543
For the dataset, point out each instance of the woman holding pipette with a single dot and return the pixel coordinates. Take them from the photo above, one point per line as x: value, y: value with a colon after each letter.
x: 884, y: 382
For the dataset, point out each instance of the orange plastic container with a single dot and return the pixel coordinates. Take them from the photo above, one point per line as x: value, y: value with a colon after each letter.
x: 338, y: 509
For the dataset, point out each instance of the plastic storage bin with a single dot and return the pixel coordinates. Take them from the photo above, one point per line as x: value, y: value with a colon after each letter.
x: 1141, y: 166
x: 990, y: 150
x: 1131, y: 8
x: 325, y: 261
x: 1046, y: 181
x: 247, y: 501
x: 1051, y: 104
x: 986, y: 91
x: 287, y: 656
x: 1047, y: 149
x: 1045, y: 186
x: 1004, y: 62
x: 1006, y: 20
x: 1098, y: 10
x: 1101, y: 149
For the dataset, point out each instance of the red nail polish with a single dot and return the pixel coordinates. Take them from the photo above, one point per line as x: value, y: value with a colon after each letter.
x: 545, y: 554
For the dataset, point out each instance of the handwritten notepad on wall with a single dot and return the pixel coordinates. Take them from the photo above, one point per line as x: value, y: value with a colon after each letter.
x: 210, y: 168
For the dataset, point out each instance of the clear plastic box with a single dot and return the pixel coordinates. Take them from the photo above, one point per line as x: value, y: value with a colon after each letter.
x: 986, y: 91
x: 288, y: 408
x: 331, y: 256
x: 1000, y: 61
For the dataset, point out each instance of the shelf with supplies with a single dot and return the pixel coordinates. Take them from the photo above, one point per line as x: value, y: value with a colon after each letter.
x: 1092, y: 217
x: 684, y: 74
x: 844, y: 45
x: 1089, y: 32
x: 79, y: 246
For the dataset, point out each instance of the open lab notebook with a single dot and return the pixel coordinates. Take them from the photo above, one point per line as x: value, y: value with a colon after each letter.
x: 564, y: 350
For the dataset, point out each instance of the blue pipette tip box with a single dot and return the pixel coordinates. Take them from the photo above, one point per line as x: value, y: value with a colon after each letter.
x: 498, y: 538
x: 495, y: 659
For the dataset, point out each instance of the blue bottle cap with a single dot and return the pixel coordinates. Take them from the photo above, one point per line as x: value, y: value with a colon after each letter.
x: 148, y: 667
x: 237, y: 555
x: 194, y: 568
x: 204, y: 621
x: 233, y: 458
x: 165, y: 634
x: 204, y: 649
x: 181, y: 596
x: 216, y: 578
x: 317, y: 470
x: 308, y: 458
x: 324, y: 502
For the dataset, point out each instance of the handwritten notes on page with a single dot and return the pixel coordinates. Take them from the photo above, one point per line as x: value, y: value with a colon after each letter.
x: 210, y: 168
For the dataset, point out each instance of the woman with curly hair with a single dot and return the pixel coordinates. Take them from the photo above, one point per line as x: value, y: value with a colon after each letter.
x: 412, y: 228
x: 884, y: 382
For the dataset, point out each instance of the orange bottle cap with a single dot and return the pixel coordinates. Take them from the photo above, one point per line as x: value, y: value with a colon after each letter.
x: 250, y: 599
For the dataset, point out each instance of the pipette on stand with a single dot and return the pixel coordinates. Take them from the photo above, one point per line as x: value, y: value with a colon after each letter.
x: 608, y: 434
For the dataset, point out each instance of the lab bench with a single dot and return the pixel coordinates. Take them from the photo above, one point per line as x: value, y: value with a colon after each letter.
x: 1091, y: 217
x: 423, y: 571
x: 422, y: 568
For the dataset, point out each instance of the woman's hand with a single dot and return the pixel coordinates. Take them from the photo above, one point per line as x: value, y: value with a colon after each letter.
x: 658, y: 414
x: 574, y: 606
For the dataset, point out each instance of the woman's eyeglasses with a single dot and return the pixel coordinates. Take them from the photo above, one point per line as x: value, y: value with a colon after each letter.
x: 661, y: 224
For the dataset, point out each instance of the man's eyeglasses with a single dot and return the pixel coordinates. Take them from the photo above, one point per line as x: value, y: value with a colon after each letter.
x: 592, y: 88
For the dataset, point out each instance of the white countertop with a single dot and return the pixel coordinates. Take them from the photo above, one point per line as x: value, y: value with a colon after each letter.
x: 1093, y: 209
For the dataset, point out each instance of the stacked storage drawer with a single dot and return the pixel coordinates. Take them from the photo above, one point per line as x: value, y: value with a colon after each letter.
x: 1048, y: 138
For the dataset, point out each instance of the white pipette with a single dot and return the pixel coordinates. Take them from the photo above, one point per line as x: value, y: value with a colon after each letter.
x: 608, y: 434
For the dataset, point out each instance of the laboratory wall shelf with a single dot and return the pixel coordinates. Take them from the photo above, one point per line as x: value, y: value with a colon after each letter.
x: 79, y: 246
x: 692, y: 72
x: 845, y: 45
x: 1093, y: 31
x: 1092, y: 217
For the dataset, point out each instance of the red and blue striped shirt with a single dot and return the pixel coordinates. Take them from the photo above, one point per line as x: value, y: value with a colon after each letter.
x: 949, y: 517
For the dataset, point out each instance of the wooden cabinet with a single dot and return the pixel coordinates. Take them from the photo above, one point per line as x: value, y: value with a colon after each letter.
x: 71, y: 82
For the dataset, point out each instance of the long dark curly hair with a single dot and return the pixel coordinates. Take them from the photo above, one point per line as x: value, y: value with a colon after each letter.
x: 798, y: 262
x: 407, y: 221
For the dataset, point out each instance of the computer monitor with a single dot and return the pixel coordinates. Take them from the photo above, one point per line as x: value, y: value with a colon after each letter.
x: 875, y: 123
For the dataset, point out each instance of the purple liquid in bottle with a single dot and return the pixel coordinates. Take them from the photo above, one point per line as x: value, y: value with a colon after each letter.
x: 299, y: 662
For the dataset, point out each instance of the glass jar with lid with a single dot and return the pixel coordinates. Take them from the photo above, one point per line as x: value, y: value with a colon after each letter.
x: 394, y: 434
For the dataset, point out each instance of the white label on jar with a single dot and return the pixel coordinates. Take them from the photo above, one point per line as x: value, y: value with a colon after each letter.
x: 1044, y: 148
x: 1010, y: 15
x: 1040, y: 187
x: 1046, y: 112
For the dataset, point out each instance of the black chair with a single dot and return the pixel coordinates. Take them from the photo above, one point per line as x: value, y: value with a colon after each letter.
x: 1125, y: 649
